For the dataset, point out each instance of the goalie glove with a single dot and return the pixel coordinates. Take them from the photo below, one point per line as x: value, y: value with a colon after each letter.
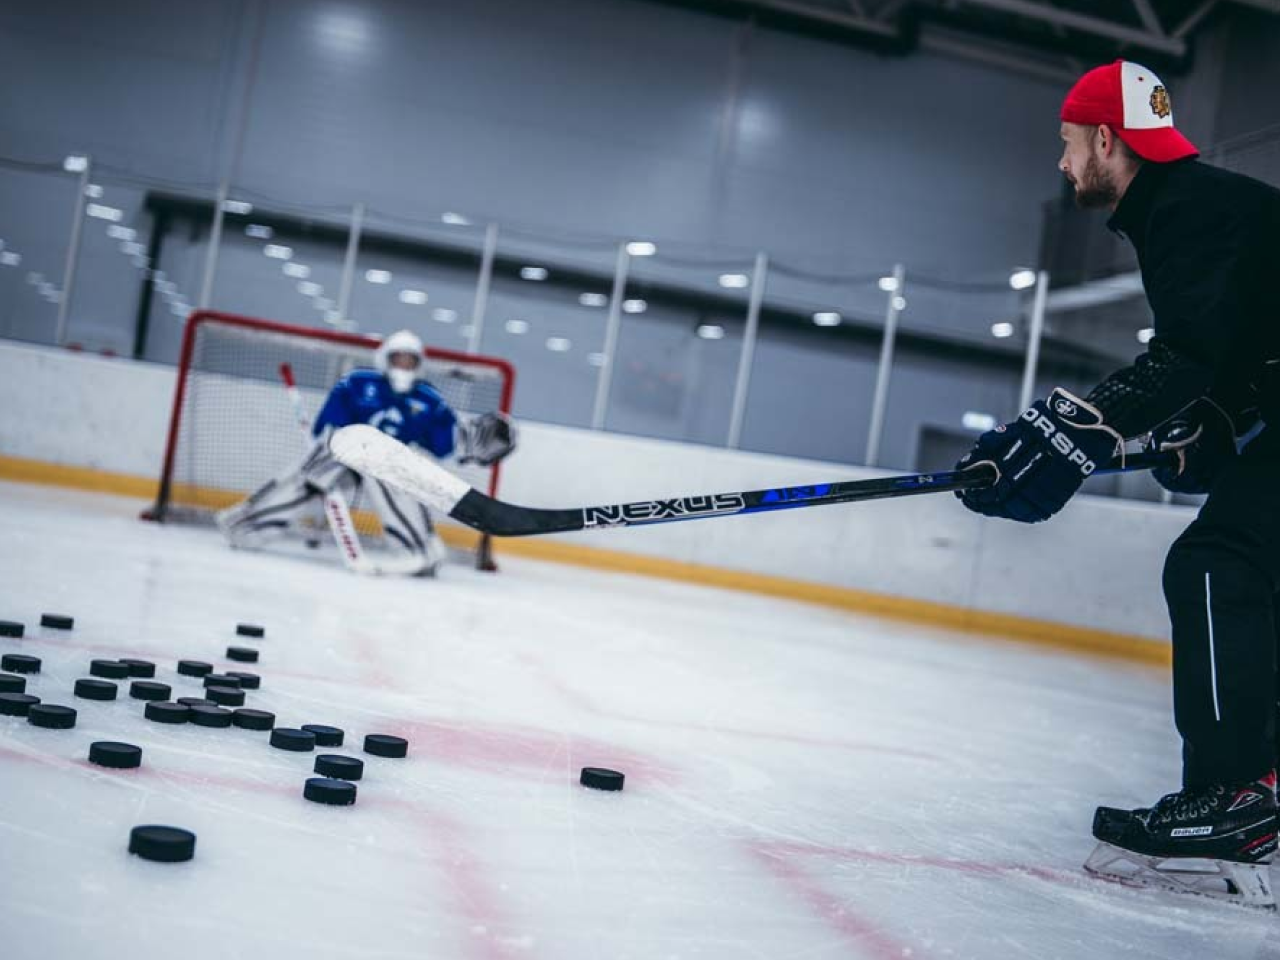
x: 1041, y: 459
x: 1203, y: 437
x: 486, y: 439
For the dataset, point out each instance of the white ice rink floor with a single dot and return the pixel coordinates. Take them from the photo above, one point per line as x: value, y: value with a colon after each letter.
x: 801, y: 783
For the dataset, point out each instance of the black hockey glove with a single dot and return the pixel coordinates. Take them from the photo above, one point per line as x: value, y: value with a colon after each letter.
x: 486, y: 439
x: 1040, y: 459
x: 1203, y: 439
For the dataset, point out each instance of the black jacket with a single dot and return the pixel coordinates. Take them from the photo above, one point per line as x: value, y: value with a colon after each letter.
x: 1208, y: 244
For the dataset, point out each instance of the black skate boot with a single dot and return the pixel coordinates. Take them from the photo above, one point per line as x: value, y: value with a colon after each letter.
x: 1217, y: 841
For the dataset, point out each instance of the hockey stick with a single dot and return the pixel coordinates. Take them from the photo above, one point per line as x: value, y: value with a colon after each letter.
x: 369, y: 451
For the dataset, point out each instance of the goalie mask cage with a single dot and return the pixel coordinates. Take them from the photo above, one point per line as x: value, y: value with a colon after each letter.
x: 232, y: 427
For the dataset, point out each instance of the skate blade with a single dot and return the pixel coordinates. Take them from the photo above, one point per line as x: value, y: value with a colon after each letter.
x: 1247, y: 884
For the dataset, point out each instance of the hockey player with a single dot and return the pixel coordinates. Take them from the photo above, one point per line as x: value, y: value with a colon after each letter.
x: 1207, y: 390
x: 398, y: 402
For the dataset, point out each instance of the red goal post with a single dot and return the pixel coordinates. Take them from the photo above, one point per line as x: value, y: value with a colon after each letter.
x: 232, y: 427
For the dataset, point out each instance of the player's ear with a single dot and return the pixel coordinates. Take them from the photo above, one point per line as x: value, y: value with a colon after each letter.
x: 1106, y: 139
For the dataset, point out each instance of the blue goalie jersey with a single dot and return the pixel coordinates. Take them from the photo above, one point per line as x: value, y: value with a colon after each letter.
x: 420, y: 417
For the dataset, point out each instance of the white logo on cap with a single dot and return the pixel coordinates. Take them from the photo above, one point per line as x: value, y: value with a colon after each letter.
x: 1141, y: 90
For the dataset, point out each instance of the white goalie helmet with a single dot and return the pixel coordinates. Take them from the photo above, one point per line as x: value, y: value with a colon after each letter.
x: 399, y: 359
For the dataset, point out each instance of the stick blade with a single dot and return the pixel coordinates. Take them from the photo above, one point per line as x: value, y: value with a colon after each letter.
x: 371, y: 452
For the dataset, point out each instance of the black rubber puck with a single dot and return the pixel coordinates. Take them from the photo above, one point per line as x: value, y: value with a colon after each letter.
x: 51, y: 716
x: 336, y: 793
x: 598, y: 778
x: 150, y: 690
x: 58, y: 621
x: 11, y: 628
x: 339, y: 767
x: 162, y: 711
x: 210, y: 716
x: 162, y: 844
x: 16, y: 704
x: 19, y: 663
x: 248, y: 681
x: 299, y: 741
x: 194, y: 668
x: 95, y: 690
x: 242, y: 654
x: 222, y: 680
x: 382, y: 745
x: 325, y: 736
x: 139, y: 668
x: 119, y: 756
x: 253, y: 719
x: 111, y: 669
x: 196, y: 702
x: 226, y: 696
x: 12, y: 683
x: 249, y: 630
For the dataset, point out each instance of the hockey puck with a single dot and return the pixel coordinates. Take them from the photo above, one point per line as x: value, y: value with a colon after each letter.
x: 194, y: 668
x: 57, y: 620
x: 162, y: 844
x: 242, y: 654
x: 95, y: 690
x: 253, y: 719
x: 382, y: 745
x: 226, y: 696
x: 118, y: 756
x: 248, y: 681
x: 12, y: 683
x: 196, y: 702
x: 139, y: 668
x: 222, y: 680
x: 51, y: 716
x: 339, y: 767
x: 111, y: 669
x: 335, y: 793
x: 11, y: 628
x: 249, y: 630
x: 16, y: 704
x: 150, y: 690
x: 598, y: 778
x: 299, y: 741
x: 19, y: 663
x: 162, y: 711
x: 210, y: 716
x: 325, y: 736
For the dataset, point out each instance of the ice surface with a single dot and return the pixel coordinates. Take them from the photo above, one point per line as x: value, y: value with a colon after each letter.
x: 801, y: 783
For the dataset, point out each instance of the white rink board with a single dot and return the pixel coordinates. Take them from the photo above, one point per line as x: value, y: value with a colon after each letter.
x: 802, y: 783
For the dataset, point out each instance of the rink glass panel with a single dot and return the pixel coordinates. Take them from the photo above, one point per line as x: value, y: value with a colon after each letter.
x: 234, y: 427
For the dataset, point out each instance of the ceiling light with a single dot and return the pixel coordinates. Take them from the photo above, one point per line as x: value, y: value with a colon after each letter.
x: 1022, y: 279
x: 887, y: 284
x: 131, y: 248
x: 517, y: 326
x: 277, y: 252
x: 533, y: 273
x: 299, y: 270
x: 310, y: 289
x: 641, y: 248
x: 414, y: 298
x: 1002, y: 330
x: 93, y: 191
x: 117, y: 232
x: 596, y: 359
x: 558, y: 344
x: 455, y: 220
x: 259, y: 231
x: 734, y: 281
x: 102, y: 212
x: 378, y: 276
x: 711, y: 331
x: 899, y: 303
x: 593, y: 299
x: 982, y: 422
x: 444, y: 314
x: 75, y: 163
x: 634, y: 306
x: 240, y: 207
x: 10, y: 259
x: 826, y: 319
x: 1145, y: 334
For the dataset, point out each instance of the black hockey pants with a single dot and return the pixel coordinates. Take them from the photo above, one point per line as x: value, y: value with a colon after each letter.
x: 1222, y: 584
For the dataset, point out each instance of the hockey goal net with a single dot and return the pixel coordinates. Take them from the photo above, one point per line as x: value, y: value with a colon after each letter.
x: 233, y: 428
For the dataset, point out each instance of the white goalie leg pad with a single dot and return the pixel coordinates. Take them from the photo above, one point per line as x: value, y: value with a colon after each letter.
x: 1248, y: 884
x: 409, y: 530
x: 280, y: 503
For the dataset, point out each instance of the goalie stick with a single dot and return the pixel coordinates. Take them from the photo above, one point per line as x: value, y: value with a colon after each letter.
x: 369, y: 451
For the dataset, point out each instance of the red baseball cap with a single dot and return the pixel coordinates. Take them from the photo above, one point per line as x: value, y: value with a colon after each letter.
x: 1130, y: 99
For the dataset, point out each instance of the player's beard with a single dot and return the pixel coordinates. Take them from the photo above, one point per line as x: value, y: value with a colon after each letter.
x: 1095, y: 187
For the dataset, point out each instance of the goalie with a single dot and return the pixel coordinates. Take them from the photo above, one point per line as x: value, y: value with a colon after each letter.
x: 396, y: 400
